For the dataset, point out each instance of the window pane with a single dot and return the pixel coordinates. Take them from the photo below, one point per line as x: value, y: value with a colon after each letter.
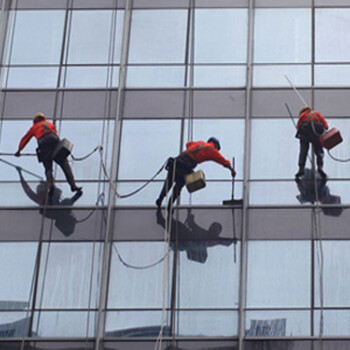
x: 156, y: 76
x: 146, y: 145
x: 291, y: 33
x: 278, y: 274
x: 264, y: 76
x: 332, y: 39
x: 267, y: 160
x: 137, y: 275
x: 218, y: 76
x: 221, y: 36
x: 277, y: 323
x: 335, y: 267
x: 37, y: 37
x: 335, y: 323
x: 332, y: 75
x: 32, y: 78
x: 202, y: 281
x: 17, y: 278
x: 89, y: 40
x: 69, y: 324
x: 13, y: 325
x: 69, y: 275
x: 158, y: 36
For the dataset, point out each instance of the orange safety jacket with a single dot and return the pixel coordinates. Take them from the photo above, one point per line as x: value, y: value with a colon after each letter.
x: 201, y: 151
x: 38, y: 130
x: 316, y: 116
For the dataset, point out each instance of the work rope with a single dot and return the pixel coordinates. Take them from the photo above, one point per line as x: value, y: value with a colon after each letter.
x: 317, y: 226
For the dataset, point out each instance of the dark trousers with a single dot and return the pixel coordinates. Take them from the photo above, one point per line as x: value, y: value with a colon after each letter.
x: 183, y: 166
x: 47, y: 145
x: 307, y: 135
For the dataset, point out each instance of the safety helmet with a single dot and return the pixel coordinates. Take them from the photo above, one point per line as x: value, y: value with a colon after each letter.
x: 38, y: 118
x: 304, y: 109
x: 216, y: 141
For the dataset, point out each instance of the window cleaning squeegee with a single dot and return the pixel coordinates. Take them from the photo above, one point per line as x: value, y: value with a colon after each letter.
x: 233, y: 201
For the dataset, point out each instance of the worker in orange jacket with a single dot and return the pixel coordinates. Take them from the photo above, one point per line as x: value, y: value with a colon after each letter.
x: 46, y: 134
x: 310, y: 125
x: 195, y: 153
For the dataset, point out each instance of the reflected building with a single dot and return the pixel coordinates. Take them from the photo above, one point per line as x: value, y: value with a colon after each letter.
x: 140, y: 78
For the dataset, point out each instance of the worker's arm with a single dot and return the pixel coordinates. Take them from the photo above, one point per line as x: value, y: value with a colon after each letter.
x: 322, y: 119
x: 25, y: 139
x: 217, y: 157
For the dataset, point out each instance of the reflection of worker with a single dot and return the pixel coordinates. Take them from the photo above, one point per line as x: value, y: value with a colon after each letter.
x: 195, y: 153
x: 64, y: 219
x: 306, y: 187
x: 46, y: 134
x: 310, y: 126
x: 193, y: 238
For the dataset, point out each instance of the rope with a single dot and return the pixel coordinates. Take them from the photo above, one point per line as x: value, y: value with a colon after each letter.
x: 121, y: 196
x: 26, y: 171
x: 338, y: 159
x: 97, y: 148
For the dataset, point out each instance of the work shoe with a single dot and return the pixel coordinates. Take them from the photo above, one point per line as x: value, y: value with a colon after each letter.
x: 76, y: 188
x: 159, y: 202
x: 322, y: 173
x: 299, y: 173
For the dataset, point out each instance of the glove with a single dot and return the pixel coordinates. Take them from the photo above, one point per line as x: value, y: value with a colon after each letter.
x: 18, y: 154
x: 233, y: 172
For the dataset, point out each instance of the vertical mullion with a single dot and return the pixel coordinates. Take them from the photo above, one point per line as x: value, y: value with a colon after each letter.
x: 247, y: 145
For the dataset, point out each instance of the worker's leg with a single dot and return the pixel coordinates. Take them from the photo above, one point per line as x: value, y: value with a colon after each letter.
x: 49, y: 173
x: 69, y: 175
x: 179, y: 184
x: 304, y: 148
x: 168, y: 182
x: 319, y: 157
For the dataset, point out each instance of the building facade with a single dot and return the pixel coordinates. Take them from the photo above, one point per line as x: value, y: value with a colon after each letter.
x: 129, y: 82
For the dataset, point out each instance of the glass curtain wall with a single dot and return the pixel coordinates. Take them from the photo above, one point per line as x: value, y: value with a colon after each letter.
x: 258, y: 263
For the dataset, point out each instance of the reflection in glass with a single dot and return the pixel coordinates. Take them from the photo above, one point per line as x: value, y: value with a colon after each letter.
x: 64, y: 324
x: 291, y: 33
x: 277, y: 323
x: 13, y: 325
x: 332, y: 75
x: 37, y: 37
x: 220, y: 36
x: 335, y: 322
x: 158, y: 36
x: 219, y: 76
x: 136, y: 324
x: 279, y: 274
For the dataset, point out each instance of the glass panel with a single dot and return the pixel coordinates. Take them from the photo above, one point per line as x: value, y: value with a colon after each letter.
x: 136, y: 324
x: 221, y: 36
x: 69, y: 275
x: 332, y: 102
x: 332, y: 75
x: 283, y: 160
x: 68, y: 324
x: 32, y: 78
x: 332, y: 40
x: 279, y: 274
x: 231, y: 136
x: 140, y: 157
x: 335, y: 267
x: 210, y: 76
x: 291, y: 30
x: 13, y: 325
x: 156, y: 76
x: 17, y: 278
x: 89, y: 40
x: 207, y: 323
x: 158, y: 36
x: 202, y: 283
x: 37, y: 37
x: 100, y: 133
x: 279, y: 323
x: 264, y: 76
x: 335, y: 323
x: 137, y: 275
